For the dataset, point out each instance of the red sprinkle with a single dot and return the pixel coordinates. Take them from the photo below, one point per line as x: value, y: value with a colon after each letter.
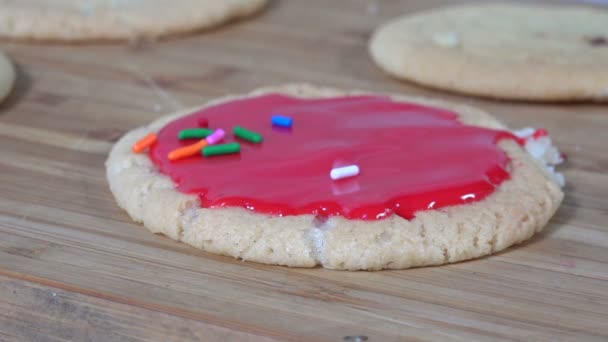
x: 203, y: 123
x: 541, y: 132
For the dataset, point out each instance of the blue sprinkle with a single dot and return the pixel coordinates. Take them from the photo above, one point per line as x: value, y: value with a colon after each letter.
x: 283, y: 121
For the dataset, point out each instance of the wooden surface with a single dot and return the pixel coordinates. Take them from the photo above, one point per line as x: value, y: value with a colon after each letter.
x: 74, y: 267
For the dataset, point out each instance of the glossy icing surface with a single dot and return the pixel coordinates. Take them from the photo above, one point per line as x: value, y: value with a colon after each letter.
x: 411, y: 157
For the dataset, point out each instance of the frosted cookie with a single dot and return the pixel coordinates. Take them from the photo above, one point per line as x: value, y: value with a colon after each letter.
x: 506, y: 51
x: 81, y: 20
x: 7, y: 76
x: 303, y: 176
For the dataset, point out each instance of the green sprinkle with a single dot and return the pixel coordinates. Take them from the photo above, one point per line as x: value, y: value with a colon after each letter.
x: 218, y: 150
x: 247, y: 134
x: 194, y: 133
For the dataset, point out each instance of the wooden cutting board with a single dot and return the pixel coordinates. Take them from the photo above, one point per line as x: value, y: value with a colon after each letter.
x: 74, y: 267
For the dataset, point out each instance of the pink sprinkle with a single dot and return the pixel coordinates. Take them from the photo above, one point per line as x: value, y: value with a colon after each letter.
x: 541, y: 132
x: 215, y: 137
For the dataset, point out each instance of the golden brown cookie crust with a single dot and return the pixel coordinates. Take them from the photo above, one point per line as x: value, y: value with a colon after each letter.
x: 84, y: 20
x: 520, y: 207
x: 508, y: 51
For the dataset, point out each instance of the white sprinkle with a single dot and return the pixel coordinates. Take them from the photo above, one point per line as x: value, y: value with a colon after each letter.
x: 536, y: 148
x: 559, y: 178
x: 344, y: 172
x: 446, y: 39
x: 467, y: 196
x: 524, y: 132
x: 543, y: 150
x: 54, y: 294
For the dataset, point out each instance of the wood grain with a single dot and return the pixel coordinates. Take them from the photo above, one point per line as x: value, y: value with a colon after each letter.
x: 39, y: 313
x: 61, y: 232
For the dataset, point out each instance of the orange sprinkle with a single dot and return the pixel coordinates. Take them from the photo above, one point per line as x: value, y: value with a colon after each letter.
x: 187, y: 151
x: 144, y: 143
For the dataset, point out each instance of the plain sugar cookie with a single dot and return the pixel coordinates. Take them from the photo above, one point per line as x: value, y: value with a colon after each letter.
x: 302, y: 176
x: 506, y: 51
x: 81, y: 20
x: 7, y: 76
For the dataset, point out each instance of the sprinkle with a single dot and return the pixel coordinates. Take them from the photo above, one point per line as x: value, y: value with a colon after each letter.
x: 247, y: 134
x: 467, y: 196
x: 203, y: 123
x: 344, y: 172
x: 144, y: 143
x: 539, y: 133
x: 187, y: 151
x: 524, y: 132
x: 193, y: 149
x: 559, y: 178
x: 222, y: 149
x: 216, y: 136
x: 283, y: 121
x: 192, y: 133
x: 536, y: 148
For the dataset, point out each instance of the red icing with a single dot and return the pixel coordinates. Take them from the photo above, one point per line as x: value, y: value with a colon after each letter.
x: 541, y: 132
x: 411, y: 158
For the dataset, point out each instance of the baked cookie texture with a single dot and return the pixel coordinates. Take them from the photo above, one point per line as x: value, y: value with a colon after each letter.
x: 82, y: 20
x: 520, y: 207
x: 7, y: 76
x: 507, y: 51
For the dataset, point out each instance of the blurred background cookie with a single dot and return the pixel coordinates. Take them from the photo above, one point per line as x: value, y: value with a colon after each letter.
x: 501, y: 51
x: 80, y: 20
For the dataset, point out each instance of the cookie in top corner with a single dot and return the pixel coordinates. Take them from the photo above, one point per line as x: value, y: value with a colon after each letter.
x: 504, y: 51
